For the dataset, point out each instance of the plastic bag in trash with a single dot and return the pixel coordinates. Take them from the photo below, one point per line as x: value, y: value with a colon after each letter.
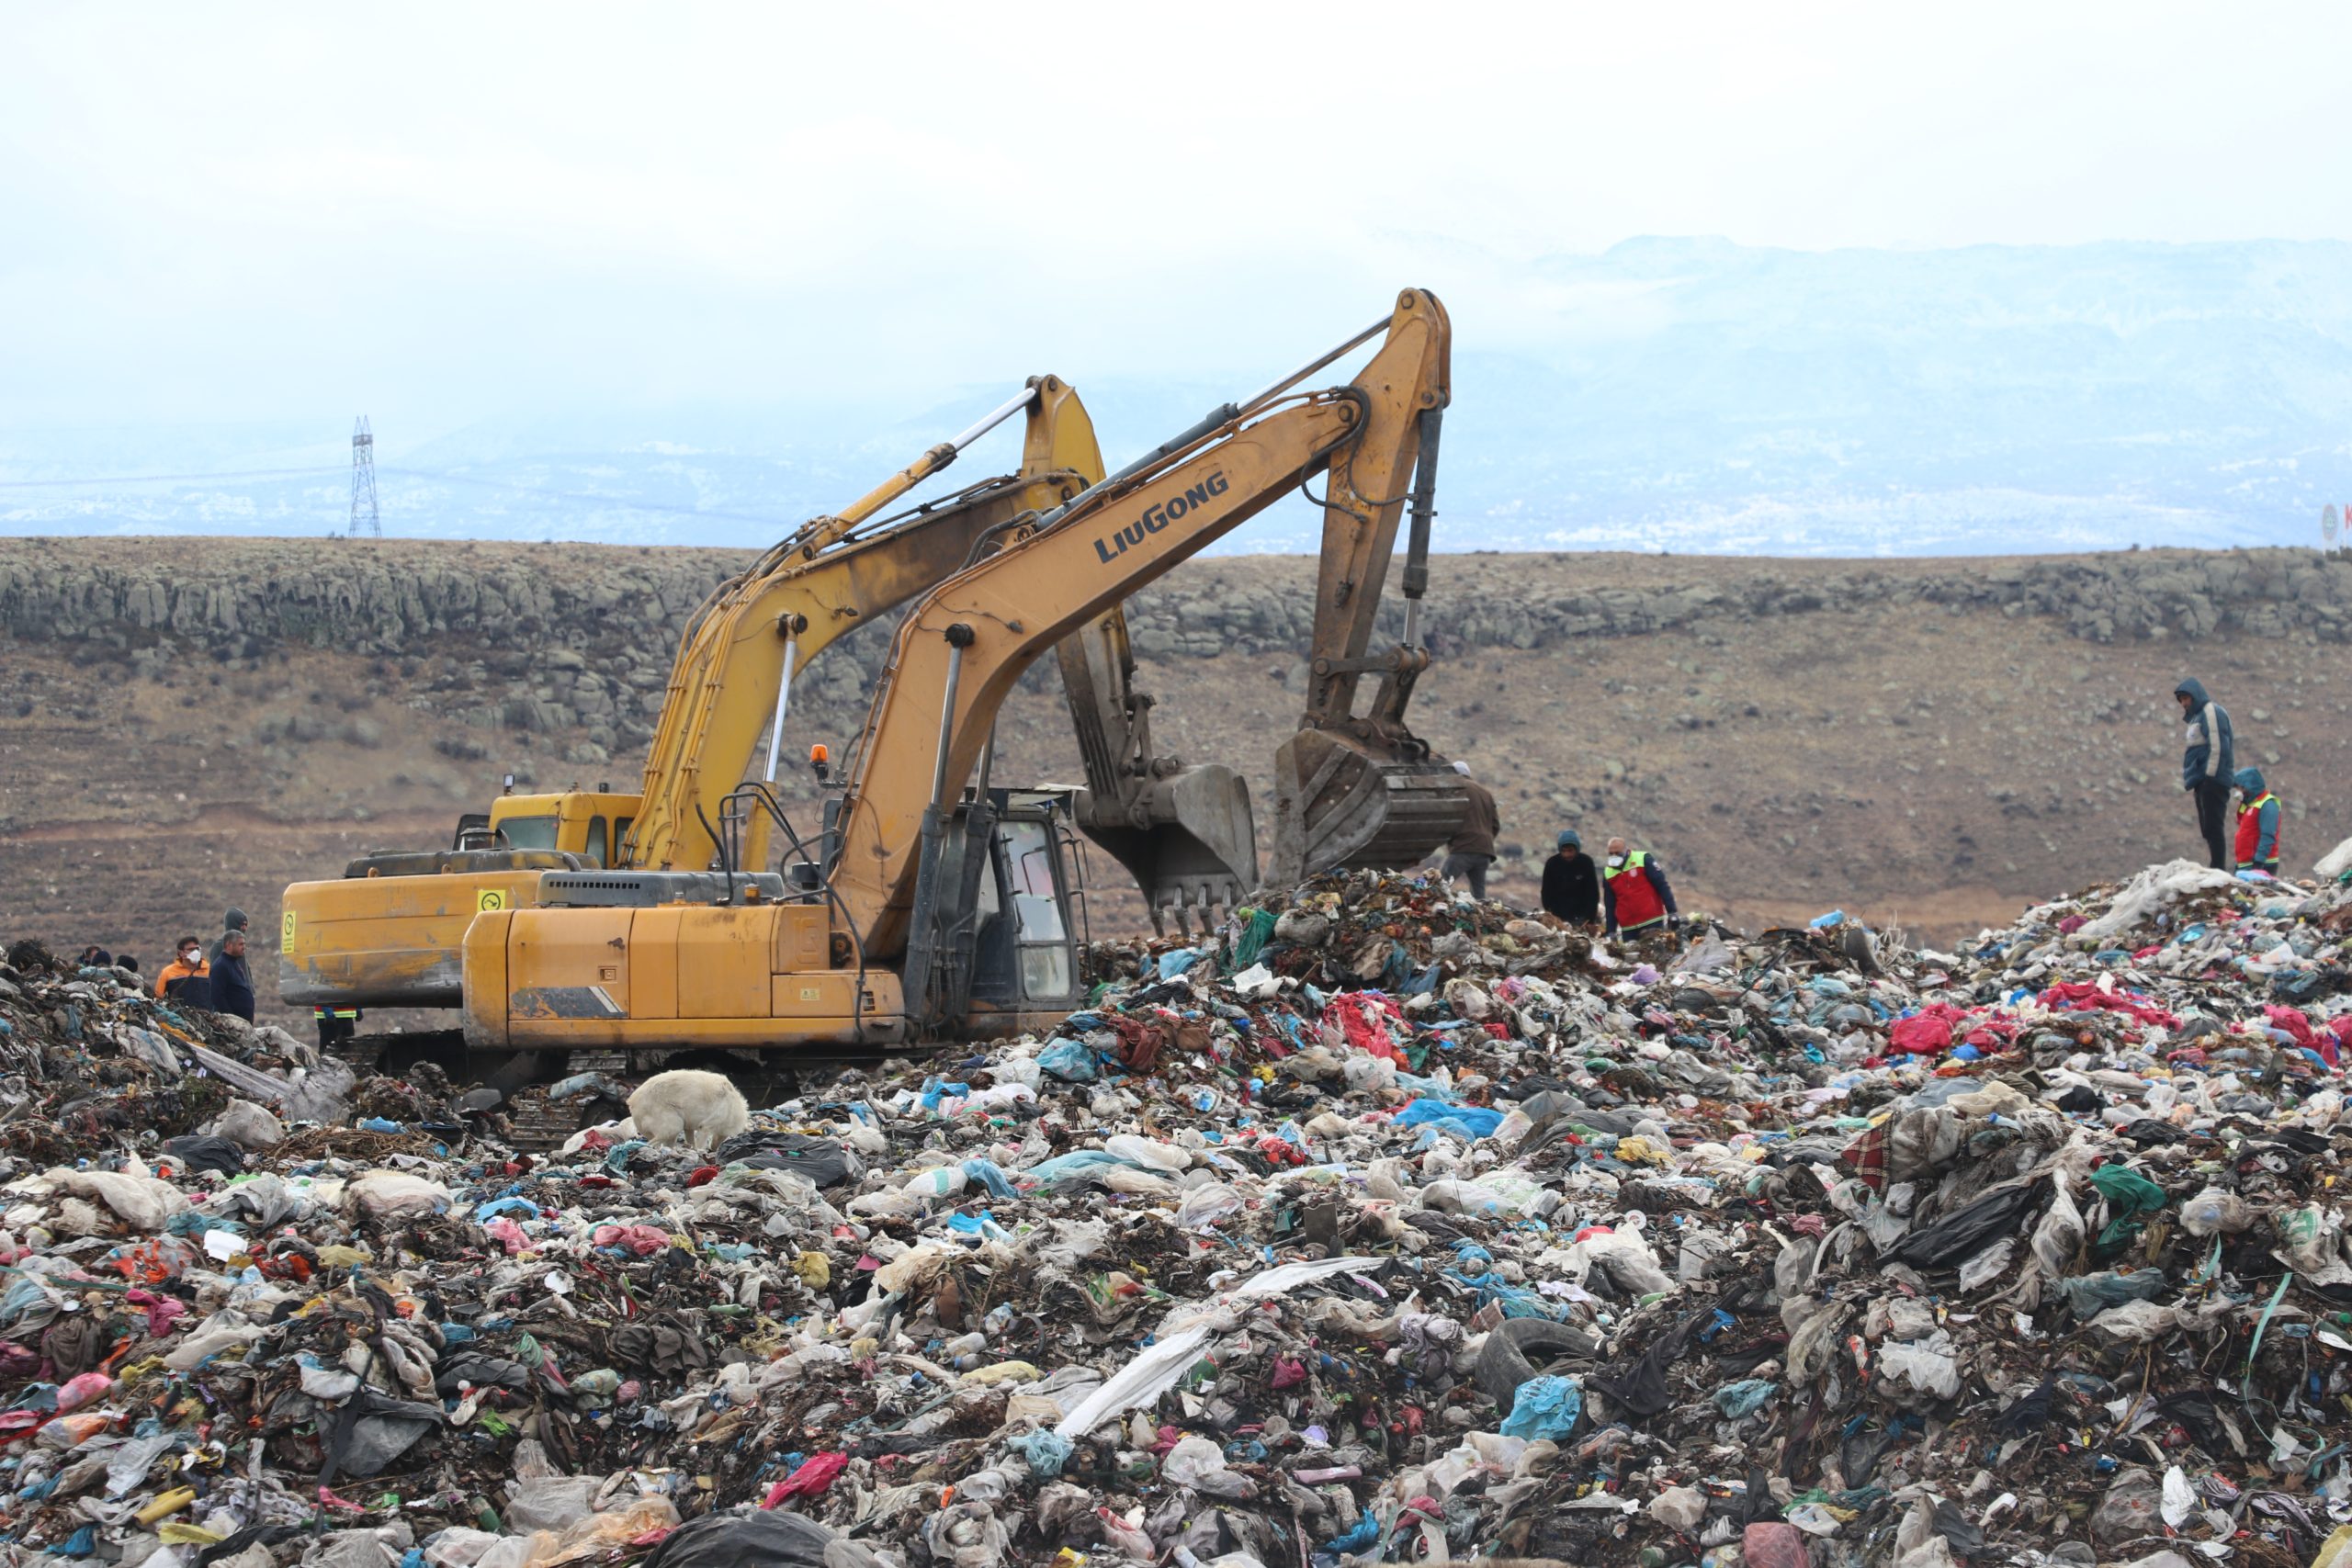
x: 759, y: 1540
x: 1545, y: 1407
x: 1072, y: 1061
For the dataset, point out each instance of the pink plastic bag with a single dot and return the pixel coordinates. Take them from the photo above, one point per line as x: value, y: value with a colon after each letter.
x: 638, y: 1241
x: 1772, y: 1544
x: 84, y: 1390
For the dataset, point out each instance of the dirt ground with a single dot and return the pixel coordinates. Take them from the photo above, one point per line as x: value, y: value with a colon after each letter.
x: 1927, y: 767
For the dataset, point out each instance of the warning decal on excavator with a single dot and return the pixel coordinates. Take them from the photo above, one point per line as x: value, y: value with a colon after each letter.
x: 286, y: 932
x: 490, y: 898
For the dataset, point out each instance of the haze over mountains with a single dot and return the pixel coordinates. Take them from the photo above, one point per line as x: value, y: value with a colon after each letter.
x: 1690, y: 395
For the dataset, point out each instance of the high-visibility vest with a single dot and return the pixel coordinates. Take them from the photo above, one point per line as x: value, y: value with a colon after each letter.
x: 1637, y: 900
x: 2250, y: 830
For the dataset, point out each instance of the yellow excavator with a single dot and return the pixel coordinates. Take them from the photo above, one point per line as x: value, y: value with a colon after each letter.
x: 930, y: 903
x: 390, y: 932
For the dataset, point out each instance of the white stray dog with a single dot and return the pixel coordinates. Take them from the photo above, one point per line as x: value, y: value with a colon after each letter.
x: 688, y: 1106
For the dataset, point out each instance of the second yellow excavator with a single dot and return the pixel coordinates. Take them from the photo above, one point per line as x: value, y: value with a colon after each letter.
x: 390, y: 932
x: 932, y: 903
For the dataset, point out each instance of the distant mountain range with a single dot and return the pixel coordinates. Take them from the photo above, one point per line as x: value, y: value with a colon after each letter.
x: 1686, y: 395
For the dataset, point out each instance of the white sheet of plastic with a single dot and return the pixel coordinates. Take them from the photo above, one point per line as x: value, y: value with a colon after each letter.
x: 2335, y: 863
x: 1154, y: 1371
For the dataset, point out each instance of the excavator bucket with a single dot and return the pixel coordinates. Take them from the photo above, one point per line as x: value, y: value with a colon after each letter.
x: 1342, y: 804
x: 1194, y: 848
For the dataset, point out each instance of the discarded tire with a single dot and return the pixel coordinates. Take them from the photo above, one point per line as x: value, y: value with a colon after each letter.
x: 1523, y: 1348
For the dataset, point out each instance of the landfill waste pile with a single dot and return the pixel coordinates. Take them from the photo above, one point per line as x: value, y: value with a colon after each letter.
x: 1383, y: 1225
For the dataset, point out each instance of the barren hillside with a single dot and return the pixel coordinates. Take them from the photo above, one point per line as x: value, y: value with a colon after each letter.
x: 1930, y: 742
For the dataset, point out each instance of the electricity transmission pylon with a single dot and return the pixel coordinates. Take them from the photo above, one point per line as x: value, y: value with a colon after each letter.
x: 362, y: 481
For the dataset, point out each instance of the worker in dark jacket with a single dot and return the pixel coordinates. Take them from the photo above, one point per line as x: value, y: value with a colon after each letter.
x: 1472, y: 848
x: 1571, y: 883
x: 2207, y: 760
x: 2257, y: 843
x: 1633, y: 888
x: 232, y: 982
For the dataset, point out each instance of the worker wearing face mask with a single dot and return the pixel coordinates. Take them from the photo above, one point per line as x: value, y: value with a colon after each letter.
x: 190, y: 972
x: 1635, y: 895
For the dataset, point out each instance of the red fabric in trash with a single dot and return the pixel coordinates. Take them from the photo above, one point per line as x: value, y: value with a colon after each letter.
x: 809, y: 1479
x: 2081, y: 996
x: 2291, y: 1020
x: 1922, y: 1034
x: 1362, y: 1017
x: 1938, y: 1025
x: 162, y: 1311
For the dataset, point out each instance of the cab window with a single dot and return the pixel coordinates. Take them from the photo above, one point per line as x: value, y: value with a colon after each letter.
x: 621, y: 837
x: 1029, y: 857
x: 596, y: 842
x: 528, y: 832
x: 1036, y: 912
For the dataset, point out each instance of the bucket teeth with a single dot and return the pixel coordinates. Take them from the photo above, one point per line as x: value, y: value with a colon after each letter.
x: 1197, y: 851
x: 1340, y: 803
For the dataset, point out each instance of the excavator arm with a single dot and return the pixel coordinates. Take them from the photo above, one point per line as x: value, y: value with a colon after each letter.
x: 959, y: 653
x: 1185, y: 833
x: 730, y: 683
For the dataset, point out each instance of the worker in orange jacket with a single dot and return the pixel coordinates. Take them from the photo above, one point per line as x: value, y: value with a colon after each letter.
x: 189, y: 965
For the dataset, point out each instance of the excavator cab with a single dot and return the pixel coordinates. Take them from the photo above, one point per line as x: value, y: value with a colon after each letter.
x: 1000, y: 919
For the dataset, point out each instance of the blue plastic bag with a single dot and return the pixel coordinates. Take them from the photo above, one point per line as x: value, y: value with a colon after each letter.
x: 1745, y: 1397
x: 1480, y: 1121
x: 989, y: 1175
x: 1045, y: 1452
x: 935, y: 1090
x: 1076, y: 1162
x: 1545, y: 1407
x: 1072, y: 1061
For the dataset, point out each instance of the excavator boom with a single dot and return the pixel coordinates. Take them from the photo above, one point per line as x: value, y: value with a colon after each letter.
x: 727, y: 685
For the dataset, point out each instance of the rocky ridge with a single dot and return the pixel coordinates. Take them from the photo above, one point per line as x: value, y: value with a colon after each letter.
x: 596, y: 618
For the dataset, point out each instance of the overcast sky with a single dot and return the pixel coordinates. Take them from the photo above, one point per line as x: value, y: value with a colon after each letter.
x: 440, y: 213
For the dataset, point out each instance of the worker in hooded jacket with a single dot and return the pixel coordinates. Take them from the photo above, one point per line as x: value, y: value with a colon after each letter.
x: 2207, y: 762
x: 2257, y: 846
x: 1571, y: 883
